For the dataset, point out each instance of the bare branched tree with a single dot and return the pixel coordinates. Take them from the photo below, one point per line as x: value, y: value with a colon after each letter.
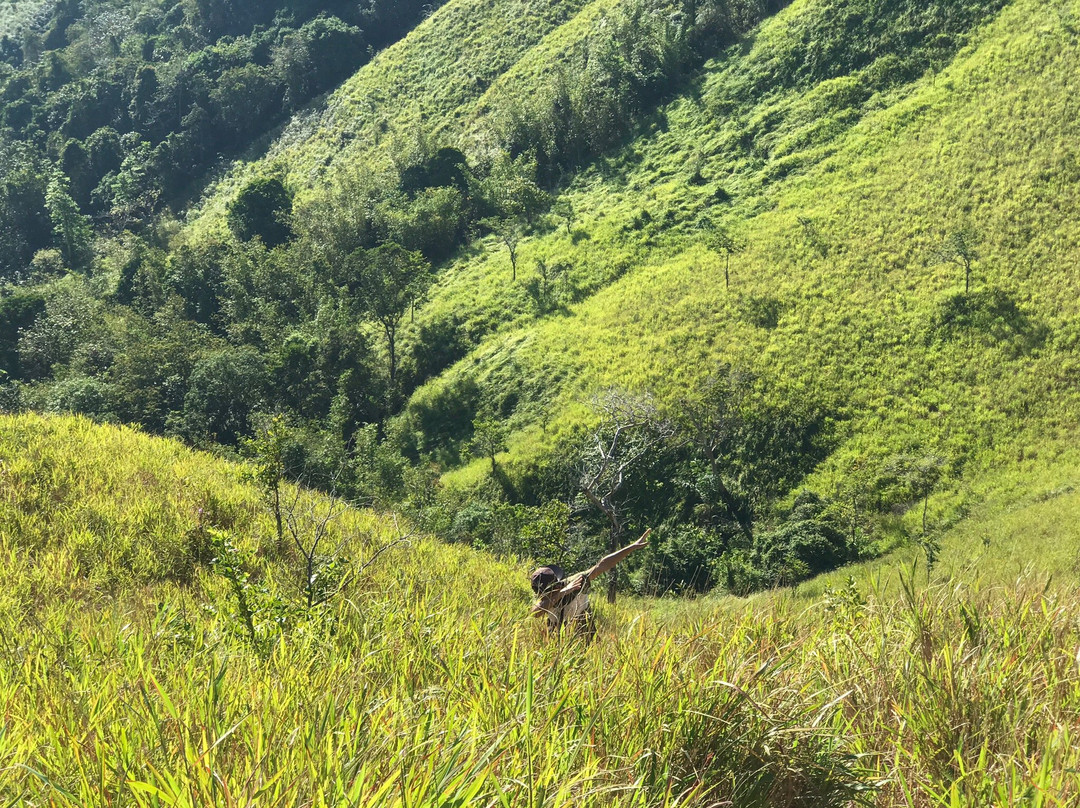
x: 958, y: 248
x: 324, y: 571
x: 630, y: 430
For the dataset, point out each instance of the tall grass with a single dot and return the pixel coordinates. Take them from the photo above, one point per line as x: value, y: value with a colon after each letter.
x: 425, y: 683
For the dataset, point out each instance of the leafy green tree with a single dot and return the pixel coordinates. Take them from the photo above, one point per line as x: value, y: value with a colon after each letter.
x: 129, y: 196
x: 509, y: 232
x: 225, y: 387
x: 721, y: 240
x: 267, y: 448
x: 153, y: 365
x: 913, y: 477
x: 72, y: 231
x: 243, y: 95
x: 25, y: 224
x: 71, y: 313
x: 511, y: 188
x: 263, y: 209
x: 391, y: 280
x: 564, y: 209
x: 543, y: 287
x: 489, y: 438
x: 18, y: 311
x: 713, y: 422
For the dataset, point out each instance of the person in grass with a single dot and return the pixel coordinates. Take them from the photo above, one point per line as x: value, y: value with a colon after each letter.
x: 565, y: 601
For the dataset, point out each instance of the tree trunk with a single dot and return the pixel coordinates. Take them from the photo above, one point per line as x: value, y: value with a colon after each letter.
x: 613, y: 576
x: 277, y: 517
x: 392, y: 346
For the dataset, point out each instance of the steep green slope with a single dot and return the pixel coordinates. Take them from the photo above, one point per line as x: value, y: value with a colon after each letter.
x: 843, y: 195
x: 129, y: 676
x: 892, y: 182
x: 421, y: 88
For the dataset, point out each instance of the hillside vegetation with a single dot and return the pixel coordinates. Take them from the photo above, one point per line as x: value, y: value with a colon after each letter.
x: 130, y: 676
x: 787, y: 282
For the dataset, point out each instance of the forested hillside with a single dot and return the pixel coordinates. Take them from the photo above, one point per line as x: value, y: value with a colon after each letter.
x: 111, y: 112
x: 789, y: 283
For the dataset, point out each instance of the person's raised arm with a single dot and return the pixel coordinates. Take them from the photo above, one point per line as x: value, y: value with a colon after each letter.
x: 608, y: 562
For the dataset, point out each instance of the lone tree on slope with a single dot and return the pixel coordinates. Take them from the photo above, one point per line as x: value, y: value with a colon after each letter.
x: 509, y: 231
x: 721, y: 240
x: 959, y: 248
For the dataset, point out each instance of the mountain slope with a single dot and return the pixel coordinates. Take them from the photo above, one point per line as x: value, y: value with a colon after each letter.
x: 842, y: 216
x: 129, y: 675
x: 421, y: 88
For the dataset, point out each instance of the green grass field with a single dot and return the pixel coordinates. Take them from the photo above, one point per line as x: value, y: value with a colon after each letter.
x: 127, y: 677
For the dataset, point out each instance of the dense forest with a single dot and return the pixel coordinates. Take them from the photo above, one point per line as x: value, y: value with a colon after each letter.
x: 297, y: 335
x: 113, y: 112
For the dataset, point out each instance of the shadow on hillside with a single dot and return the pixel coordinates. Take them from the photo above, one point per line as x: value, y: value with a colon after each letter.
x: 991, y: 316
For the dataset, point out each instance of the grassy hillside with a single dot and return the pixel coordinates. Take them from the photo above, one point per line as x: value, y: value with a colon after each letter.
x: 893, y: 183
x: 128, y: 676
x: 844, y: 191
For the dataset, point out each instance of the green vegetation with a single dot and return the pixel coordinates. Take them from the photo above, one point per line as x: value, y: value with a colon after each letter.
x: 788, y: 284
x: 162, y: 651
x: 757, y: 219
x: 133, y: 104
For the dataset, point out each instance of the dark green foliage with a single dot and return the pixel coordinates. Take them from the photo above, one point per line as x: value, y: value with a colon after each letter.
x: 446, y: 168
x: 149, y: 377
x: 175, y: 85
x: 262, y: 210
x: 225, y: 387
x: 440, y: 423
x: 80, y: 394
x: 438, y: 345
x: 18, y: 311
x: 194, y: 274
x: 682, y: 559
x: 25, y: 226
x: 763, y: 311
x: 807, y: 542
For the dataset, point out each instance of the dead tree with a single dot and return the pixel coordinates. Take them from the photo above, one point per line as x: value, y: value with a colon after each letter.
x: 630, y: 429
x: 323, y: 570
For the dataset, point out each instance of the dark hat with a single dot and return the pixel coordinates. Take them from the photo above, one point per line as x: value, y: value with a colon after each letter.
x: 545, y: 578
